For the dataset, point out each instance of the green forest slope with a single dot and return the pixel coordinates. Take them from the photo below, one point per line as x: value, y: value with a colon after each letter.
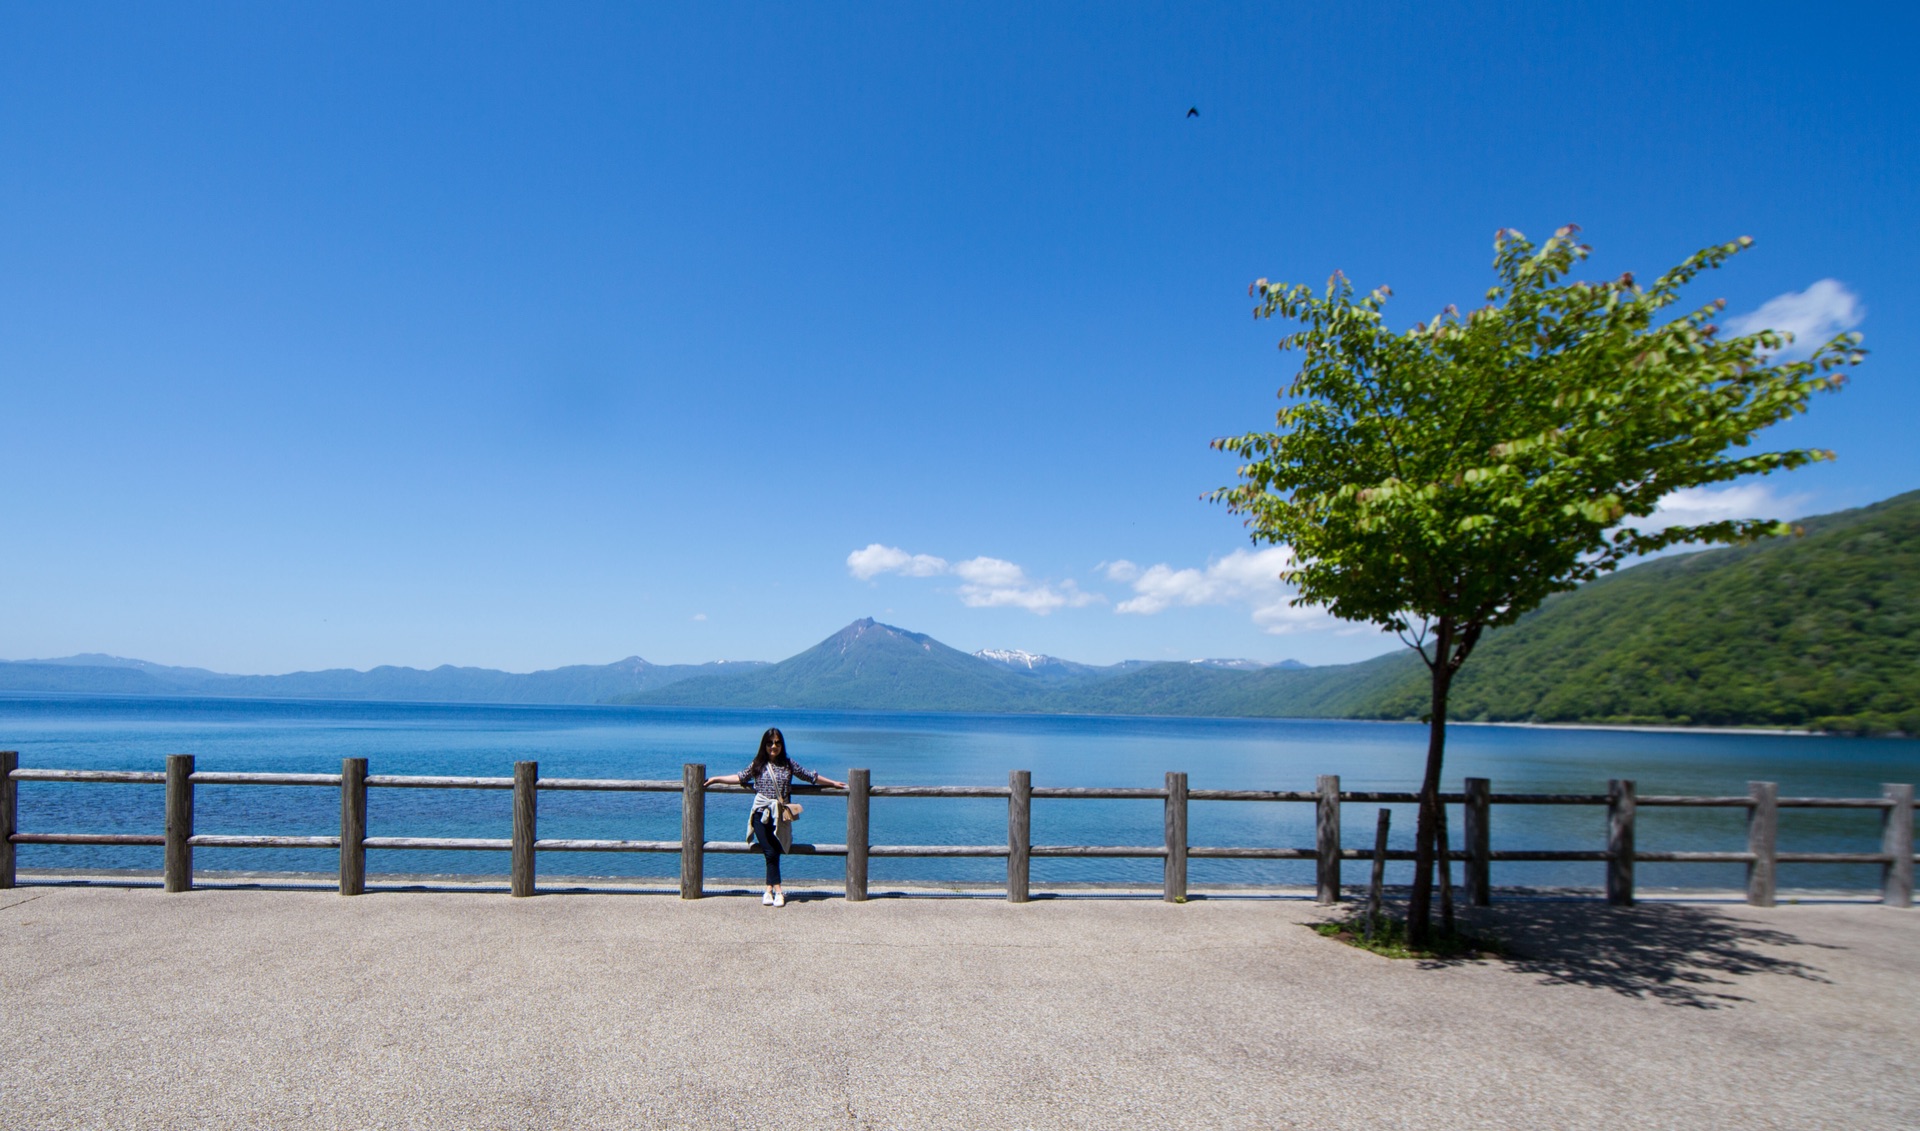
x: 1821, y: 630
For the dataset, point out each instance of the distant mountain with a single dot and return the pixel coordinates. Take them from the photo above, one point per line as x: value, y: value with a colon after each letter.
x: 875, y: 666
x: 1332, y: 691
x: 583, y: 683
x: 160, y: 671
x: 865, y: 666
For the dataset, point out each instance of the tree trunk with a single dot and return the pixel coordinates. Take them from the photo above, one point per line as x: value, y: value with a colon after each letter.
x: 1420, y: 907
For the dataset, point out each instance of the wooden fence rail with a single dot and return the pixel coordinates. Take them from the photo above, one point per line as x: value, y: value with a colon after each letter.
x: 1621, y: 802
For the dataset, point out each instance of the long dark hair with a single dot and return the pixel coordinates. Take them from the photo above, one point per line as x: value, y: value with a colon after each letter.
x: 765, y: 755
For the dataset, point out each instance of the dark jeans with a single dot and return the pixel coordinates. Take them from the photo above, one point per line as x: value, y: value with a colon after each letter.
x: 769, y: 844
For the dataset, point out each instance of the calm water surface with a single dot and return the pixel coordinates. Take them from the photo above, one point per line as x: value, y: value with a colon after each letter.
x: 74, y: 732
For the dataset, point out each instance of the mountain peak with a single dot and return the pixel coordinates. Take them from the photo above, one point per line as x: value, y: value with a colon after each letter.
x: 867, y: 633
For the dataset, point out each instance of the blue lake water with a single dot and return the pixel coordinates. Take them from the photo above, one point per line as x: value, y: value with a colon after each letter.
x: 74, y: 732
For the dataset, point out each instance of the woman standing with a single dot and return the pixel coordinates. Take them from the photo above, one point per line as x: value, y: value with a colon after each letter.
x: 771, y: 779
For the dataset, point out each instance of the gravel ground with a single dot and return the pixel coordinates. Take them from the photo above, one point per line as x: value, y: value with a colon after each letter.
x: 128, y: 1008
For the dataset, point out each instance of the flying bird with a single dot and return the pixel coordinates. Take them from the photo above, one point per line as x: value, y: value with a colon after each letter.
x: 1193, y: 111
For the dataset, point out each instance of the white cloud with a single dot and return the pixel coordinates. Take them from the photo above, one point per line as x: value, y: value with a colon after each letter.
x: 985, y: 583
x: 699, y: 616
x: 990, y: 583
x: 1121, y: 570
x: 1250, y: 577
x: 1812, y: 316
x: 877, y: 559
x: 1691, y: 506
x: 1240, y: 575
x: 990, y: 572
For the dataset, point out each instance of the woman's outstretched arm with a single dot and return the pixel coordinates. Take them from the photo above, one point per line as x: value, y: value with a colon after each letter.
x: 723, y: 779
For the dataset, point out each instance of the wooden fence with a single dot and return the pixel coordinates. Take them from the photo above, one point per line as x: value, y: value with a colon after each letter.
x: 1761, y: 857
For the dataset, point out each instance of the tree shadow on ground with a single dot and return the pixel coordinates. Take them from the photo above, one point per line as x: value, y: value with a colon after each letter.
x: 1672, y: 953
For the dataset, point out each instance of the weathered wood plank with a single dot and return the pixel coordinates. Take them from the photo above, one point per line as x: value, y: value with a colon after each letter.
x: 1620, y: 842
x: 937, y: 791
x: 177, y: 868
x: 693, y: 829
x: 1235, y: 852
x: 525, y: 827
x: 222, y: 840
x: 9, y: 815
x: 89, y: 838
x: 859, y: 783
x: 1019, y: 833
x: 579, y: 845
x: 353, y: 826
x: 442, y: 843
x: 209, y: 777
x: 418, y: 781
x: 1763, y: 831
x: 1173, y: 886
x: 124, y: 777
x: 1477, y: 839
x: 609, y: 785
x: 934, y: 850
x: 1117, y: 851
x: 1326, y: 839
x: 1896, y: 843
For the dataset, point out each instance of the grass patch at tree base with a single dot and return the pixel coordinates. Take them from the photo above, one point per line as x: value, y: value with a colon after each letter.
x: 1390, y: 939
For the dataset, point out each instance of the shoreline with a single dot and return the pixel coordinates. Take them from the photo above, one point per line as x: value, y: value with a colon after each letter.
x: 1650, y: 728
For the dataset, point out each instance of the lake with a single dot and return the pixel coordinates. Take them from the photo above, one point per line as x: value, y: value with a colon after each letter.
x: 77, y: 732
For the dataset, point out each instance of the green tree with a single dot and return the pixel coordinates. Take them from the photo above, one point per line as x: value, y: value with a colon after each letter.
x: 1444, y: 480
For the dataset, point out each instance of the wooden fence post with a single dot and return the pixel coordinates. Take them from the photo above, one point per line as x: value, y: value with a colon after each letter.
x: 693, y: 830
x: 9, y: 814
x: 1019, y: 833
x: 858, y: 784
x: 1896, y: 840
x: 353, y: 826
x: 177, y: 868
x: 1174, y: 881
x: 1763, y: 840
x: 525, y: 824
x: 1620, y: 806
x: 1326, y: 840
x: 1379, y: 878
x: 1477, y: 839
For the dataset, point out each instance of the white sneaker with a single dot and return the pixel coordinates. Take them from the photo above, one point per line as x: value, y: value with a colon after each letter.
x: 766, y: 899
x: 779, y: 899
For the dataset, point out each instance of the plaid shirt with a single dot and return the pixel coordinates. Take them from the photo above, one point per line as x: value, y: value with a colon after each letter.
x: 775, y: 781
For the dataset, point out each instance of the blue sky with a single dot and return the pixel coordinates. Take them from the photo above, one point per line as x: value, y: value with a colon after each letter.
x: 337, y: 335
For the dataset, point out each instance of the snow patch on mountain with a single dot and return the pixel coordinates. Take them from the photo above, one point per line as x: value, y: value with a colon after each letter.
x: 1016, y: 658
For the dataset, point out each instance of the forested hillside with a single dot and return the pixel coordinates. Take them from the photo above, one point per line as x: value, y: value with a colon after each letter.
x: 1820, y: 630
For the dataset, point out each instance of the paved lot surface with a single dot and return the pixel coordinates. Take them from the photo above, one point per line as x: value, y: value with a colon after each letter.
x: 261, y: 1008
